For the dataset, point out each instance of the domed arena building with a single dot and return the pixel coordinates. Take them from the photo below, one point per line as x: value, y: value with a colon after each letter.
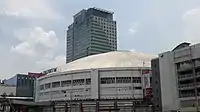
x: 111, y: 81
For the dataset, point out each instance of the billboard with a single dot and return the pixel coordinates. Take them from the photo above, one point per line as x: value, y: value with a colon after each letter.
x: 146, y: 77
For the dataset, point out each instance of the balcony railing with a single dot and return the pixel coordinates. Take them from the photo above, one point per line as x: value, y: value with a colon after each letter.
x: 187, y: 95
x: 184, y: 67
x: 186, y: 85
x: 185, y: 76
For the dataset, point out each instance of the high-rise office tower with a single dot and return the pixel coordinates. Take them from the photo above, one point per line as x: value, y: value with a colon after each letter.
x: 93, y: 31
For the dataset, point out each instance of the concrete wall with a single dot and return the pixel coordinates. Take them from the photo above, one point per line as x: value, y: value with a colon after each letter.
x: 156, y: 86
x: 7, y: 89
x: 196, y: 51
x: 168, y: 82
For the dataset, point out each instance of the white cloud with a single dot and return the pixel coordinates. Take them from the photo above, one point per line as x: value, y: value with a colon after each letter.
x: 52, y: 62
x: 141, y: 53
x: 28, y: 8
x: 32, y: 44
x: 36, y: 50
x: 24, y: 48
x: 58, y: 61
x: 35, y: 42
x: 133, y: 28
x: 133, y: 50
x: 191, y: 20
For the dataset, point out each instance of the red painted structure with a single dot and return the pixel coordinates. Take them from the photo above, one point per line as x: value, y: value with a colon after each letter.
x: 35, y: 75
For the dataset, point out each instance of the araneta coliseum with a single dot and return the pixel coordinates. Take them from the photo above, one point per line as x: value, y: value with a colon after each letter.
x: 113, y: 81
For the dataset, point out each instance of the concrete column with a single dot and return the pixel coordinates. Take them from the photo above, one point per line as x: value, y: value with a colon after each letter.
x: 97, y: 106
x: 95, y: 93
x: 54, y: 108
x: 3, y: 109
x: 133, y: 106
x: 81, y: 107
x: 115, y: 106
x: 66, y: 107
x: 11, y: 110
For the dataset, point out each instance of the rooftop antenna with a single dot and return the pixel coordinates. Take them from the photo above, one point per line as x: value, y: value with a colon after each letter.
x: 143, y: 63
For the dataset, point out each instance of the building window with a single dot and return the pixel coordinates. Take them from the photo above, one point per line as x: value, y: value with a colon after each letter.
x: 119, y: 80
x: 41, y: 94
x: 41, y: 87
x: 138, y: 88
x: 88, y: 81
x: 108, y: 80
x: 55, y: 84
x: 123, y: 80
x: 55, y: 92
x: 46, y: 93
x: 47, y: 86
x: 136, y: 79
x: 78, y: 82
x: 66, y: 83
x: 126, y: 80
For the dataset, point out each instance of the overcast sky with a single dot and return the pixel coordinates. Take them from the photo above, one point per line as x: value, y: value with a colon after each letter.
x: 32, y: 32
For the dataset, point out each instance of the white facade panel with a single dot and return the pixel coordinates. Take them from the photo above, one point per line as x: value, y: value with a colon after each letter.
x: 124, y: 73
x: 94, y: 84
x: 107, y: 73
x: 196, y: 51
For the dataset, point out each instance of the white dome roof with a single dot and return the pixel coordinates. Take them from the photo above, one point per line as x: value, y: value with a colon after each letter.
x: 109, y: 60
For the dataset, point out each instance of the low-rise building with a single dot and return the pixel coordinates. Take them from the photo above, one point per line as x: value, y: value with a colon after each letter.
x: 24, y: 85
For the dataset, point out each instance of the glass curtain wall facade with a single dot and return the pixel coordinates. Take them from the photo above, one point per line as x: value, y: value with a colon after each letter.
x: 93, y: 31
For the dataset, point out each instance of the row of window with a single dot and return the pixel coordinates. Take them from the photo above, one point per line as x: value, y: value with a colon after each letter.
x: 63, y: 92
x: 66, y: 83
x: 104, y: 22
x: 107, y: 32
x: 130, y: 88
x: 100, y: 18
x: 187, y: 64
x: 88, y: 90
x: 104, y: 25
x: 112, y: 80
x: 78, y: 82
